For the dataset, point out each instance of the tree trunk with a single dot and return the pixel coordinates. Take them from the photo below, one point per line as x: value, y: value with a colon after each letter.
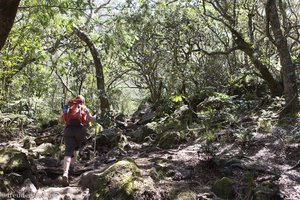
x: 288, y: 69
x: 8, y: 11
x: 98, y: 66
x: 274, y: 85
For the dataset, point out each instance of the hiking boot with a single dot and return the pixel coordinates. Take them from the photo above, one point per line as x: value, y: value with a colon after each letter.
x: 65, y: 181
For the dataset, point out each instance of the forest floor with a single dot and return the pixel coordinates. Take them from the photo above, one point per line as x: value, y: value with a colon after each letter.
x: 265, y: 157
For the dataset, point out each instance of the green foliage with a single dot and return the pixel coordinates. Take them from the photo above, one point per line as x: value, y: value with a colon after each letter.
x: 244, y: 135
x: 223, y: 188
x: 162, y: 49
x: 222, y: 96
x: 250, y: 179
x: 177, y: 99
x: 266, y: 120
x: 209, y: 135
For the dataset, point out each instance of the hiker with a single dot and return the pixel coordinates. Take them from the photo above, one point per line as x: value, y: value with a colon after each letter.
x: 75, y: 115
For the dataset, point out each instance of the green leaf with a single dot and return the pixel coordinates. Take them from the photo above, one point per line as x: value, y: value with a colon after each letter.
x: 98, y: 127
x: 177, y: 98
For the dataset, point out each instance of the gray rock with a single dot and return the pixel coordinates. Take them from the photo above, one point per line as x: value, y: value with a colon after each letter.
x: 13, y: 160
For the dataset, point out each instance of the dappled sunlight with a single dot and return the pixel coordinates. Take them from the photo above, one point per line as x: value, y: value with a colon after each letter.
x: 149, y: 99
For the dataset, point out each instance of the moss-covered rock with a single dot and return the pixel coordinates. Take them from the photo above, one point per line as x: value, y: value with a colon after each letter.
x: 171, y: 123
x: 13, y: 160
x: 266, y: 191
x: 169, y: 140
x: 151, y: 129
x: 47, y: 149
x: 121, y: 180
x: 223, y: 188
x: 146, y: 132
x: 108, y: 139
x: 185, y: 115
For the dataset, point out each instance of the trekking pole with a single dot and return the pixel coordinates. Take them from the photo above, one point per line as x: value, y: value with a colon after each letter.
x: 59, y: 151
x: 98, y: 128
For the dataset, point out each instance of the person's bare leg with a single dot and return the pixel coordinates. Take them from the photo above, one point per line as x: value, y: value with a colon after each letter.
x: 67, y: 162
x: 74, y: 159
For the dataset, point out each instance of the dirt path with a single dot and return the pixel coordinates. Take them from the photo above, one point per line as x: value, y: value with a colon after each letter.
x: 266, y: 156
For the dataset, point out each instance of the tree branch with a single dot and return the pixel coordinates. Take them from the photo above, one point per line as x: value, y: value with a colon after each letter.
x: 64, y: 84
x: 216, y: 52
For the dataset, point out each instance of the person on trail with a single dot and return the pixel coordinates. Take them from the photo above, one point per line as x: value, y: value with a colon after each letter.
x: 75, y: 116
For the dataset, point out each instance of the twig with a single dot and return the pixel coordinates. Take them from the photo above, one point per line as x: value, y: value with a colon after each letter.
x: 65, y: 85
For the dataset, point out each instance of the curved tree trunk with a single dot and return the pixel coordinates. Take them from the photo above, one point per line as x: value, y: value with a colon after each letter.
x: 288, y: 69
x: 98, y: 66
x: 8, y: 11
x: 274, y: 85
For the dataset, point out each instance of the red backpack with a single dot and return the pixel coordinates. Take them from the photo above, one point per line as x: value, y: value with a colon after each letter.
x: 75, y: 113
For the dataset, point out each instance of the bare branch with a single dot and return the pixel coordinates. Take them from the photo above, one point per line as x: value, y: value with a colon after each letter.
x: 118, y: 77
x: 216, y: 52
x: 64, y: 84
x: 102, y: 6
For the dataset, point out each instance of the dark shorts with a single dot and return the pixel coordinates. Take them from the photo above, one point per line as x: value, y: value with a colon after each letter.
x: 74, y: 137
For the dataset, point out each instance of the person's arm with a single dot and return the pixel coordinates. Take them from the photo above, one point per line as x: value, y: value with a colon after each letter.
x: 90, y: 117
x: 61, y: 118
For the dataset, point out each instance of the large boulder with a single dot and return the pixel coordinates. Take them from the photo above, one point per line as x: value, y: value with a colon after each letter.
x: 12, y: 160
x: 45, y: 149
x: 109, y: 138
x: 184, y: 114
x: 27, y: 189
x: 121, y: 181
x: 179, y: 120
x: 144, y: 114
x: 149, y: 130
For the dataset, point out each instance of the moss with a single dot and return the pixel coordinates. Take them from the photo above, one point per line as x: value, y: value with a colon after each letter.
x: 117, y: 181
x: 13, y: 160
x: 53, y: 150
x: 266, y: 190
x: 172, y: 124
x: 223, y: 188
x: 169, y: 140
x: 122, y: 164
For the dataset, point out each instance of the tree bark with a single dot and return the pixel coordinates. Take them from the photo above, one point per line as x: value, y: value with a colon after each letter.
x: 274, y: 85
x: 9, y: 77
x: 98, y: 67
x: 288, y: 69
x: 8, y: 11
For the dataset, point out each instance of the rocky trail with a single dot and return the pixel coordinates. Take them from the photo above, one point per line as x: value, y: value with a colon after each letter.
x: 181, y: 173
x: 129, y: 163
